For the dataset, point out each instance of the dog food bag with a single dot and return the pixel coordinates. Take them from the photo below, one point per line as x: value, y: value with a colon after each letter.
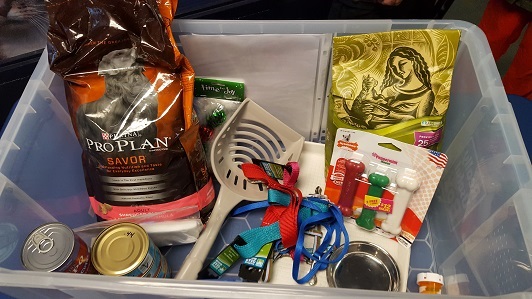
x: 130, y: 95
x: 394, y: 84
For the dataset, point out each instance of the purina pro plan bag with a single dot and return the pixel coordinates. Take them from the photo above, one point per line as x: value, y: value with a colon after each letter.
x: 129, y: 92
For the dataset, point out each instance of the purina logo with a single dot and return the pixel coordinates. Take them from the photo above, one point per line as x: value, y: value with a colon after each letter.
x: 115, y: 136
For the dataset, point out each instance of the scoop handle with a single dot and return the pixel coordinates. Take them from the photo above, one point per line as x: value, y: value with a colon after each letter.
x: 353, y: 170
x: 193, y: 263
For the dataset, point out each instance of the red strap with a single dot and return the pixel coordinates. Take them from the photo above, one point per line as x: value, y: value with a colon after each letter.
x: 287, y: 216
x: 273, y: 214
x: 290, y: 177
x: 288, y: 224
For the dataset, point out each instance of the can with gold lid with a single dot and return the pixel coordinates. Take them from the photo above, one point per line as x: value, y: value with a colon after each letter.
x: 125, y: 249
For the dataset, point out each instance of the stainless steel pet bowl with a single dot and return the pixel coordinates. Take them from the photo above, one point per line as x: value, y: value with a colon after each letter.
x: 364, y: 266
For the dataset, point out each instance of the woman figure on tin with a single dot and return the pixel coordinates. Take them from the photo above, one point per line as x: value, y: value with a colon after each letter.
x: 405, y: 93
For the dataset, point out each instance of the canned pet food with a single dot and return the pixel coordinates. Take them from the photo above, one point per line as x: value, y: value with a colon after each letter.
x: 125, y: 249
x: 54, y: 247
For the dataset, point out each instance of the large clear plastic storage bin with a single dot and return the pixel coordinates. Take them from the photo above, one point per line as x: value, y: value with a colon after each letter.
x: 480, y: 222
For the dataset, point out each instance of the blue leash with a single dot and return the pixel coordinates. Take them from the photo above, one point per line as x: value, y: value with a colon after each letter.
x: 333, y: 221
x: 314, y: 211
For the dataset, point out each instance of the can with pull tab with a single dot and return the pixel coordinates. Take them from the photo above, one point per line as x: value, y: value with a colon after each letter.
x: 54, y: 247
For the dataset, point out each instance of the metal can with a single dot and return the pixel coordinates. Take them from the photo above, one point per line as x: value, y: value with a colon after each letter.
x: 125, y: 249
x: 54, y: 247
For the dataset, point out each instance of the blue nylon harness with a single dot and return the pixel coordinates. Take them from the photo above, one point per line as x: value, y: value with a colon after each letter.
x: 314, y: 211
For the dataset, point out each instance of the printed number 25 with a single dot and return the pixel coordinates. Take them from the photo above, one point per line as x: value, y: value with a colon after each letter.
x: 422, y: 143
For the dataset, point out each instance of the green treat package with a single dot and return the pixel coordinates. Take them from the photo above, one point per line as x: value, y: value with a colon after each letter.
x: 215, y: 101
x: 218, y: 89
x: 394, y: 84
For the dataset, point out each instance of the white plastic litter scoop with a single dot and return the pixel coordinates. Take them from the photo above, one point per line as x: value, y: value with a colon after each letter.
x: 251, y: 132
x: 407, y: 182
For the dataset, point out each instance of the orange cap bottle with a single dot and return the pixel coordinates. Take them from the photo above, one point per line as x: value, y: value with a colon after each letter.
x: 430, y: 283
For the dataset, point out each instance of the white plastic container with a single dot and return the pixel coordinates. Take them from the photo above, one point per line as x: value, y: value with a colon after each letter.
x: 480, y: 219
